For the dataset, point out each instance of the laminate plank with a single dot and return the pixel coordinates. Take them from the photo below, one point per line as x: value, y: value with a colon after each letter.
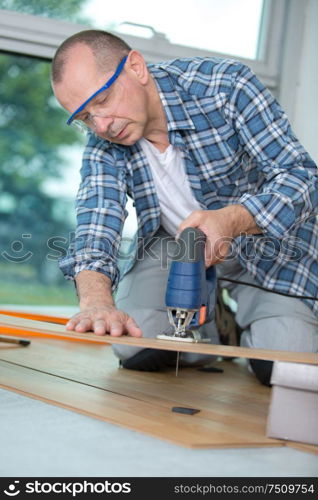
x: 233, y: 396
x: 36, y: 316
x: 32, y: 327
x: 195, y: 431
x: 308, y: 448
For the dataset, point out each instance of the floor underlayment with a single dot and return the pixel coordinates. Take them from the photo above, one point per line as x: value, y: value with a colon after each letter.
x: 85, y: 378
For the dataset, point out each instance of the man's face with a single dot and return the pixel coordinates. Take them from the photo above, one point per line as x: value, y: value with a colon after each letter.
x: 118, y: 114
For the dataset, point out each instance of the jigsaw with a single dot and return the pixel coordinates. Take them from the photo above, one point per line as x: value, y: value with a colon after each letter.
x: 190, y: 286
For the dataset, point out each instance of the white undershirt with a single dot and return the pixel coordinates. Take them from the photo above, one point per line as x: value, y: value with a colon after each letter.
x: 172, y: 186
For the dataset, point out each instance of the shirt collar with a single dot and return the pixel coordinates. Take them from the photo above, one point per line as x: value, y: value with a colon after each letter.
x: 177, y: 115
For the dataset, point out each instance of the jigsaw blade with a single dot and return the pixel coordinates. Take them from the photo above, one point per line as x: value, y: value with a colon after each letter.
x: 177, y: 363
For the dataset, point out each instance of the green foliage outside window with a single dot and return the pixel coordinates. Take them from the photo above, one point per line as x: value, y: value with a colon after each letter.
x: 32, y: 136
x: 65, y: 10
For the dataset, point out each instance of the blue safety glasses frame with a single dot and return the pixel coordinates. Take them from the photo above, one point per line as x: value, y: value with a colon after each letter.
x: 104, y: 87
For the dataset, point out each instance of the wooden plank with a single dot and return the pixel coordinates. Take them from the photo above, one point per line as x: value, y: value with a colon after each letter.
x: 233, y: 405
x: 37, y: 316
x: 233, y: 398
x: 97, y: 366
x: 195, y: 432
x: 18, y: 332
x: 31, y: 327
x: 308, y: 448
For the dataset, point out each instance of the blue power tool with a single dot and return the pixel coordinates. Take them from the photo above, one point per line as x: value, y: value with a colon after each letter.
x: 190, y: 297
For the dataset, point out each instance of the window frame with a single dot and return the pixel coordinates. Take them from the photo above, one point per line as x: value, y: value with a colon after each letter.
x: 39, y: 36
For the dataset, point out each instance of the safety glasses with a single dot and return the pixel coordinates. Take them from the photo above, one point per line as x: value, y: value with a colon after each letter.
x: 109, y: 82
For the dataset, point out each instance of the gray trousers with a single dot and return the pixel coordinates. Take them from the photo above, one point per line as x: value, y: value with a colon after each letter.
x: 268, y: 320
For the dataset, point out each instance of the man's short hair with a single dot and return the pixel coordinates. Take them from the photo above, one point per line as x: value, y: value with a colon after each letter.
x: 107, y: 48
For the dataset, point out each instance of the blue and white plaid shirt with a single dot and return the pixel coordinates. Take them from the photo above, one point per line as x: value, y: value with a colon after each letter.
x: 238, y: 147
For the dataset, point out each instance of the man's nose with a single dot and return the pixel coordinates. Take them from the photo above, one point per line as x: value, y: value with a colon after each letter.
x: 102, y: 124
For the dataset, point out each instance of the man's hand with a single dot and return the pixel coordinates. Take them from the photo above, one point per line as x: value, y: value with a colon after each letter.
x: 220, y: 227
x: 98, y: 311
x: 104, y: 319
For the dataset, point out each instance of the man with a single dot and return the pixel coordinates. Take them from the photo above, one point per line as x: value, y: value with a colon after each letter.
x: 194, y: 142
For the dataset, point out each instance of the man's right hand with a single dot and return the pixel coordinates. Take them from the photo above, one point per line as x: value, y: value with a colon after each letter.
x: 104, y: 319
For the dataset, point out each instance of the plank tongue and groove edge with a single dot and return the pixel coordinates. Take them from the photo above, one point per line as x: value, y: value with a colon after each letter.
x: 30, y: 327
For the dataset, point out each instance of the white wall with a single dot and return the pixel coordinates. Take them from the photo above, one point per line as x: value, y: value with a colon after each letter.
x: 299, y: 81
x: 306, y: 97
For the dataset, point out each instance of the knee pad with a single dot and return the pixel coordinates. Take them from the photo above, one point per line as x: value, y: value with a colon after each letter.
x: 263, y: 370
x: 150, y: 360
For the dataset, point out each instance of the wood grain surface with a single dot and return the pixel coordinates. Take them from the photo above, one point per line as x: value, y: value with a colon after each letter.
x: 40, y: 328
x: 86, y: 378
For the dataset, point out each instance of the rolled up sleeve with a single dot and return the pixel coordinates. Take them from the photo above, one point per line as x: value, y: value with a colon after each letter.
x: 100, y: 209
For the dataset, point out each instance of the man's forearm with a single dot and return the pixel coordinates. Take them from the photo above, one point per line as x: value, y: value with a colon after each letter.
x: 241, y: 220
x: 94, y: 289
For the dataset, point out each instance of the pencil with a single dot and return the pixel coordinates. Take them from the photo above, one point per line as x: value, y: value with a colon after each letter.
x: 14, y: 340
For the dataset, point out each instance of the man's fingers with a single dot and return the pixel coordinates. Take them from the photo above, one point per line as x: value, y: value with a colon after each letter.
x: 100, y: 327
x: 193, y: 220
x: 70, y: 325
x: 83, y: 325
x: 116, y: 328
x: 116, y: 324
x: 132, y: 328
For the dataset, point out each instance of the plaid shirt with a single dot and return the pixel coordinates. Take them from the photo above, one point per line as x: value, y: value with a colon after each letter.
x: 238, y: 147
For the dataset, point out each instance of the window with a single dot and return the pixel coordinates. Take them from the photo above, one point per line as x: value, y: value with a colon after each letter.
x: 250, y: 30
x: 37, y: 185
x: 40, y: 157
x: 227, y: 26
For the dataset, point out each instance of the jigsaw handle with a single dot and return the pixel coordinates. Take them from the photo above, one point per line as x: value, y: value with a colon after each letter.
x: 189, y: 285
x: 191, y: 246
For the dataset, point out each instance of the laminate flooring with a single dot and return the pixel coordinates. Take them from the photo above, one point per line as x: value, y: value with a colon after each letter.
x: 86, y: 378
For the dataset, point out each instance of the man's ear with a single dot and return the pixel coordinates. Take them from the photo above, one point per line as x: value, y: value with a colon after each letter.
x: 136, y: 64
